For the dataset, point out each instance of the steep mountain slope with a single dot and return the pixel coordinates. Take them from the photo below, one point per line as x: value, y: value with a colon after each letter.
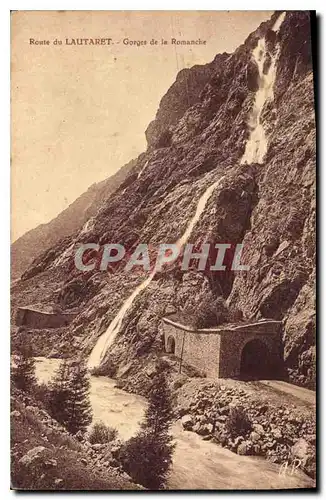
x: 36, y: 241
x: 261, y: 95
x: 51, y: 459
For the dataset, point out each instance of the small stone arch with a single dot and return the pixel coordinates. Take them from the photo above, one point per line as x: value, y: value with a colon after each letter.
x: 255, y: 362
x: 170, y: 345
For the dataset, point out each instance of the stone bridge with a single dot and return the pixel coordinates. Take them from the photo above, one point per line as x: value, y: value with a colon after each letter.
x: 247, y: 351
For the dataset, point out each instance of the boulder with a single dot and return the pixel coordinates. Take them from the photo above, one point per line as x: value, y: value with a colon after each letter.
x: 32, y: 455
x: 259, y: 429
x: 116, y: 447
x: 107, y: 455
x: 97, y: 446
x: 311, y: 438
x: 79, y: 436
x: 303, y: 451
x: 222, y: 418
x: 15, y: 414
x: 254, y: 436
x: 207, y: 437
x: 244, y: 448
x: 205, y: 429
x: 238, y: 440
x: 187, y: 422
x: 277, y: 434
x: 170, y: 309
x: 221, y: 437
x: 50, y: 463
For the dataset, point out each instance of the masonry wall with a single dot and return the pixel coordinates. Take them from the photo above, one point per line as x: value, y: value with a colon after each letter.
x: 218, y: 353
x: 39, y: 319
x: 232, y: 345
x: 233, y: 342
x: 200, y: 351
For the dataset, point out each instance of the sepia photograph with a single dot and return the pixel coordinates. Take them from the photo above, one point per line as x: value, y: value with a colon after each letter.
x: 163, y: 250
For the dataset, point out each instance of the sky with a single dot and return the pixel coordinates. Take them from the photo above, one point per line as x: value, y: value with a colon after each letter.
x: 80, y: 112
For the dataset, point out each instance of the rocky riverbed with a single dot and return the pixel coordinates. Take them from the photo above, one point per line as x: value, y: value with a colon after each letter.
x: 250, y: 420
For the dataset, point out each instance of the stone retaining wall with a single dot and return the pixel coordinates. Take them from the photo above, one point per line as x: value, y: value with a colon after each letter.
x: 217, y: 352
x: 39, y: 319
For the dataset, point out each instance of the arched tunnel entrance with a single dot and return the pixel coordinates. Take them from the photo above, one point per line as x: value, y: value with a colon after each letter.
x: 255, y: 361
x: 170, y: 345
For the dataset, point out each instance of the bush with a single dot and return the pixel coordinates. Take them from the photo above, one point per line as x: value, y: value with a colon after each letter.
x: 147, y: 459
x: 238, y: 422
x: 209, y: 312
x: 102, y: 434
x: 107, y: 369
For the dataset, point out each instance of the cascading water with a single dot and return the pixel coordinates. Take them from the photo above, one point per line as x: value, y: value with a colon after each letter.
x: 107, y: 338
x: 257, y: 144
x: 87, y: 226
x: 142, y: 170
x: 255, y: 151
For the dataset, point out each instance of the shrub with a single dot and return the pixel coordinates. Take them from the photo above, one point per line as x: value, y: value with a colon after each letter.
x: 210, y: 313
x: 107, y: 369
x: 147, y: 459
x: 238, y: 422
x: 102, y: 434
x: 203, y: 315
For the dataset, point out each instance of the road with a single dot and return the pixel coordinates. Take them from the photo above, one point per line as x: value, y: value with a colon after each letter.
x: 298, y: 392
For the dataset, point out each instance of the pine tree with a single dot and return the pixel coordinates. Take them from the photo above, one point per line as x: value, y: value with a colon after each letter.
x: 147, y: 457
x: 69, y: 402
x: 60, y: 393
x: 79, y: 406
x: 23, y: 373
x: 159, y: 413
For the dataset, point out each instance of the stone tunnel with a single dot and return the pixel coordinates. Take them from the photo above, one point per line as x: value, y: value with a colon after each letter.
x: 247, y: 351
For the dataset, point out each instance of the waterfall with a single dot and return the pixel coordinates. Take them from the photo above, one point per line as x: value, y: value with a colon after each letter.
x: 256, y: 146
x: 142, y: 170
x: 87, y: 226
x: 107, y: 338
x: 110, y: 334
x: 67, y: 253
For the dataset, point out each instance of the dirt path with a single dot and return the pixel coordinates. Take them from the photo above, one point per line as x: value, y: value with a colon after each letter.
x: 197, y: 464
x: 298, y: 392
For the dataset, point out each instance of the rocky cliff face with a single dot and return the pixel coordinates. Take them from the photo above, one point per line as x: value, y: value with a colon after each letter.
x: 197, y: 138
